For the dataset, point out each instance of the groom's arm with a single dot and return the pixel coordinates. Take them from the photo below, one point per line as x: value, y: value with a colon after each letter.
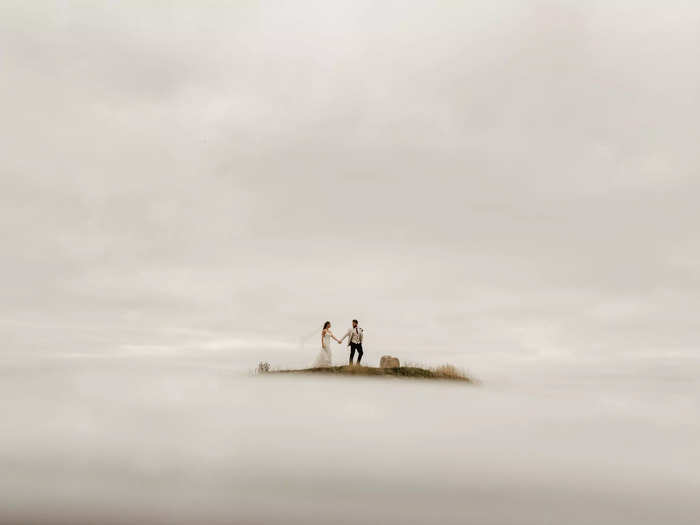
x: 343, y: 338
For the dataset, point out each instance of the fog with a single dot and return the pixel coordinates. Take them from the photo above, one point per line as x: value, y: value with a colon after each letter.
x: 187, y: 189
x: 184, y: 440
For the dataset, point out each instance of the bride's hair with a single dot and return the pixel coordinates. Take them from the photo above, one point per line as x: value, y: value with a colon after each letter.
x: 326, y: 324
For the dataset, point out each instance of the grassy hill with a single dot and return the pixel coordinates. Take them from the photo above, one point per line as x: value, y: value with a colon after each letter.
x: 442, y: 372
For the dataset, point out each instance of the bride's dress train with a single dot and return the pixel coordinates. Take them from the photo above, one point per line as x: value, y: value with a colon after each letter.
x: 324, y: 356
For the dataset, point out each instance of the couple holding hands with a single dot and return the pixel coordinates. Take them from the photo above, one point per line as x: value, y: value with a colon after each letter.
x: 354, y: 335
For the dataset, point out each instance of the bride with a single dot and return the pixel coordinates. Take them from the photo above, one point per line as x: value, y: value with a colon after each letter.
x: 324, y: 357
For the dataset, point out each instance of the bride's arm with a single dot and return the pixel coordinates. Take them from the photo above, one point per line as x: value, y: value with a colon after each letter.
x: 334, y: 337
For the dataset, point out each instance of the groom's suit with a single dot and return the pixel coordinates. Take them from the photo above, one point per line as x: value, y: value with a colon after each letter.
x: 355, y: 337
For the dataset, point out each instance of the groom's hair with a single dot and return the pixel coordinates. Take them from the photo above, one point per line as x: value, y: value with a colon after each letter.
x: 354, y: 320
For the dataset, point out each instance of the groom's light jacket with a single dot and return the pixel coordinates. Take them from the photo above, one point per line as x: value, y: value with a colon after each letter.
x: 351, y: 332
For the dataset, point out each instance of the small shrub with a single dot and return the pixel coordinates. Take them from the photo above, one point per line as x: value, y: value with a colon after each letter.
x: 263, y: 367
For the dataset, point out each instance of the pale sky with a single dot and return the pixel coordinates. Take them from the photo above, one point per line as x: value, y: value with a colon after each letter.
x: 513, y: 177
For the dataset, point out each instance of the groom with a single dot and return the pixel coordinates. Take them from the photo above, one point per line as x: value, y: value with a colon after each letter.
x: 355, y: 335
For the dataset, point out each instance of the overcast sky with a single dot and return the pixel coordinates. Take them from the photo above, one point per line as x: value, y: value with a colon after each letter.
x: 518, y: 177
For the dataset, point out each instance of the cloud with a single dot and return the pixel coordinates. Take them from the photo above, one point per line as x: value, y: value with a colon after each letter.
x: 514, y: 176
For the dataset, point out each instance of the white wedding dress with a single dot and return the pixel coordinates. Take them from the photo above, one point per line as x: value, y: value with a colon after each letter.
x: 324, y: 357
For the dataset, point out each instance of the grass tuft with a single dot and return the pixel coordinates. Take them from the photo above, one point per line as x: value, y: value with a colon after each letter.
x: 450, y: 372
x: 263, y: 367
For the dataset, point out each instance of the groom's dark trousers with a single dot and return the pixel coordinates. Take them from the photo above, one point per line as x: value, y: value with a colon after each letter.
x: 357, y: 347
